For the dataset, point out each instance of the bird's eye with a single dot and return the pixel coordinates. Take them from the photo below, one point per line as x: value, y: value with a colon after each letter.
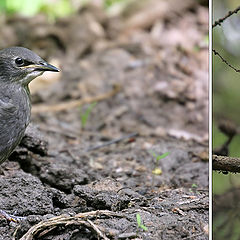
x: 19, y: 61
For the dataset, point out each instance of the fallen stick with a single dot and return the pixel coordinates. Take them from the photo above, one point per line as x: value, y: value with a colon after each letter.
x: 39, y: 108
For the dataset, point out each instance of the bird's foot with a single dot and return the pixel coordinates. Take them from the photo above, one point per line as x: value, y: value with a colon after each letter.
x: 10, y: 217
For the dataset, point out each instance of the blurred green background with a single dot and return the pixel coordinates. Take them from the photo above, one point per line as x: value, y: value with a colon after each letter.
x: 226, y: 84
x: 226, y: 104
x: 53, y: 8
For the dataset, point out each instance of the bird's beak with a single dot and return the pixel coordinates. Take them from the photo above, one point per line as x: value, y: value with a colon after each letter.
x: 44, y: 66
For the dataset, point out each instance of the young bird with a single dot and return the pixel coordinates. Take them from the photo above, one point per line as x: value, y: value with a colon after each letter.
x: 18, y: 67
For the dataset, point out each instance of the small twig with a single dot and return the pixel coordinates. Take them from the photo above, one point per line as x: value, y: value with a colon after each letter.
x: 38, y: 108
x: 97, y: 230
x: 224, y: 163
x: 225, y: 61
x: 221, y: 20
x: 46, y: 231
x: 112, y: 142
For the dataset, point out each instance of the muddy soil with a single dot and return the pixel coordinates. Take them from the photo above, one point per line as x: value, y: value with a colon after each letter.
x: 146, y: 71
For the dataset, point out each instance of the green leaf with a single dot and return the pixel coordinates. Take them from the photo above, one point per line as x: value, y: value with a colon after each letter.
x: 162, y: 156
x: 139, y: 221
x: 158, y: 157
x: 144, y: 227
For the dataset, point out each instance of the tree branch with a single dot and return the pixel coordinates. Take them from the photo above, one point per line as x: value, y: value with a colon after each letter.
x: 221, y: 20
x: 224, y: 163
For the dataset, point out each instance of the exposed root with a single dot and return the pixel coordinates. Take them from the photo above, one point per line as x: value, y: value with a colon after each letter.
x: 43, y: 227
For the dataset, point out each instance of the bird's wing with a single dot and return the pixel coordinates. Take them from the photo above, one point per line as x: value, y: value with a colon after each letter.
x: 7, y: 113
x: 7, y: 109
x: 8, y: 120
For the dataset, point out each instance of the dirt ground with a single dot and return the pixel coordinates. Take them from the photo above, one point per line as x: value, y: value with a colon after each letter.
x: 147, y: 70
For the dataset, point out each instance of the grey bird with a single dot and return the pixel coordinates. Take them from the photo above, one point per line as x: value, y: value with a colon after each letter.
x: 18, y: 67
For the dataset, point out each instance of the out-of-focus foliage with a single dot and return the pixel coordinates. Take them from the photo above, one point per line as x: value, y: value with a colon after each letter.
x: 52, y: 8
x: 226, y: 87
x: 109, y: 3
x: 226, y: 99
x: 226, y: 82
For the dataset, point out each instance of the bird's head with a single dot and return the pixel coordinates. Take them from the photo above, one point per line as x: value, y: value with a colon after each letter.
x: 18, y: 64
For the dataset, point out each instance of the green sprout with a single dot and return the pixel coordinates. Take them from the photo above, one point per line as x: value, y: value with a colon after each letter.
x: 84, y: 116
x: 193, y: 188
x: 194, y: 185
x: 157, y: 170
x: 139, y: 222
x: 157, y: 156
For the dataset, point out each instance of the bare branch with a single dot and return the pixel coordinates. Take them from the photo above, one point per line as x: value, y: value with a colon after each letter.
x: 221, y: 20
x: 225, y: 61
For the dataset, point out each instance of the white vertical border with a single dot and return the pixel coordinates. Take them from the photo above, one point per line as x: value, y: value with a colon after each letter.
x: 210, y: 17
